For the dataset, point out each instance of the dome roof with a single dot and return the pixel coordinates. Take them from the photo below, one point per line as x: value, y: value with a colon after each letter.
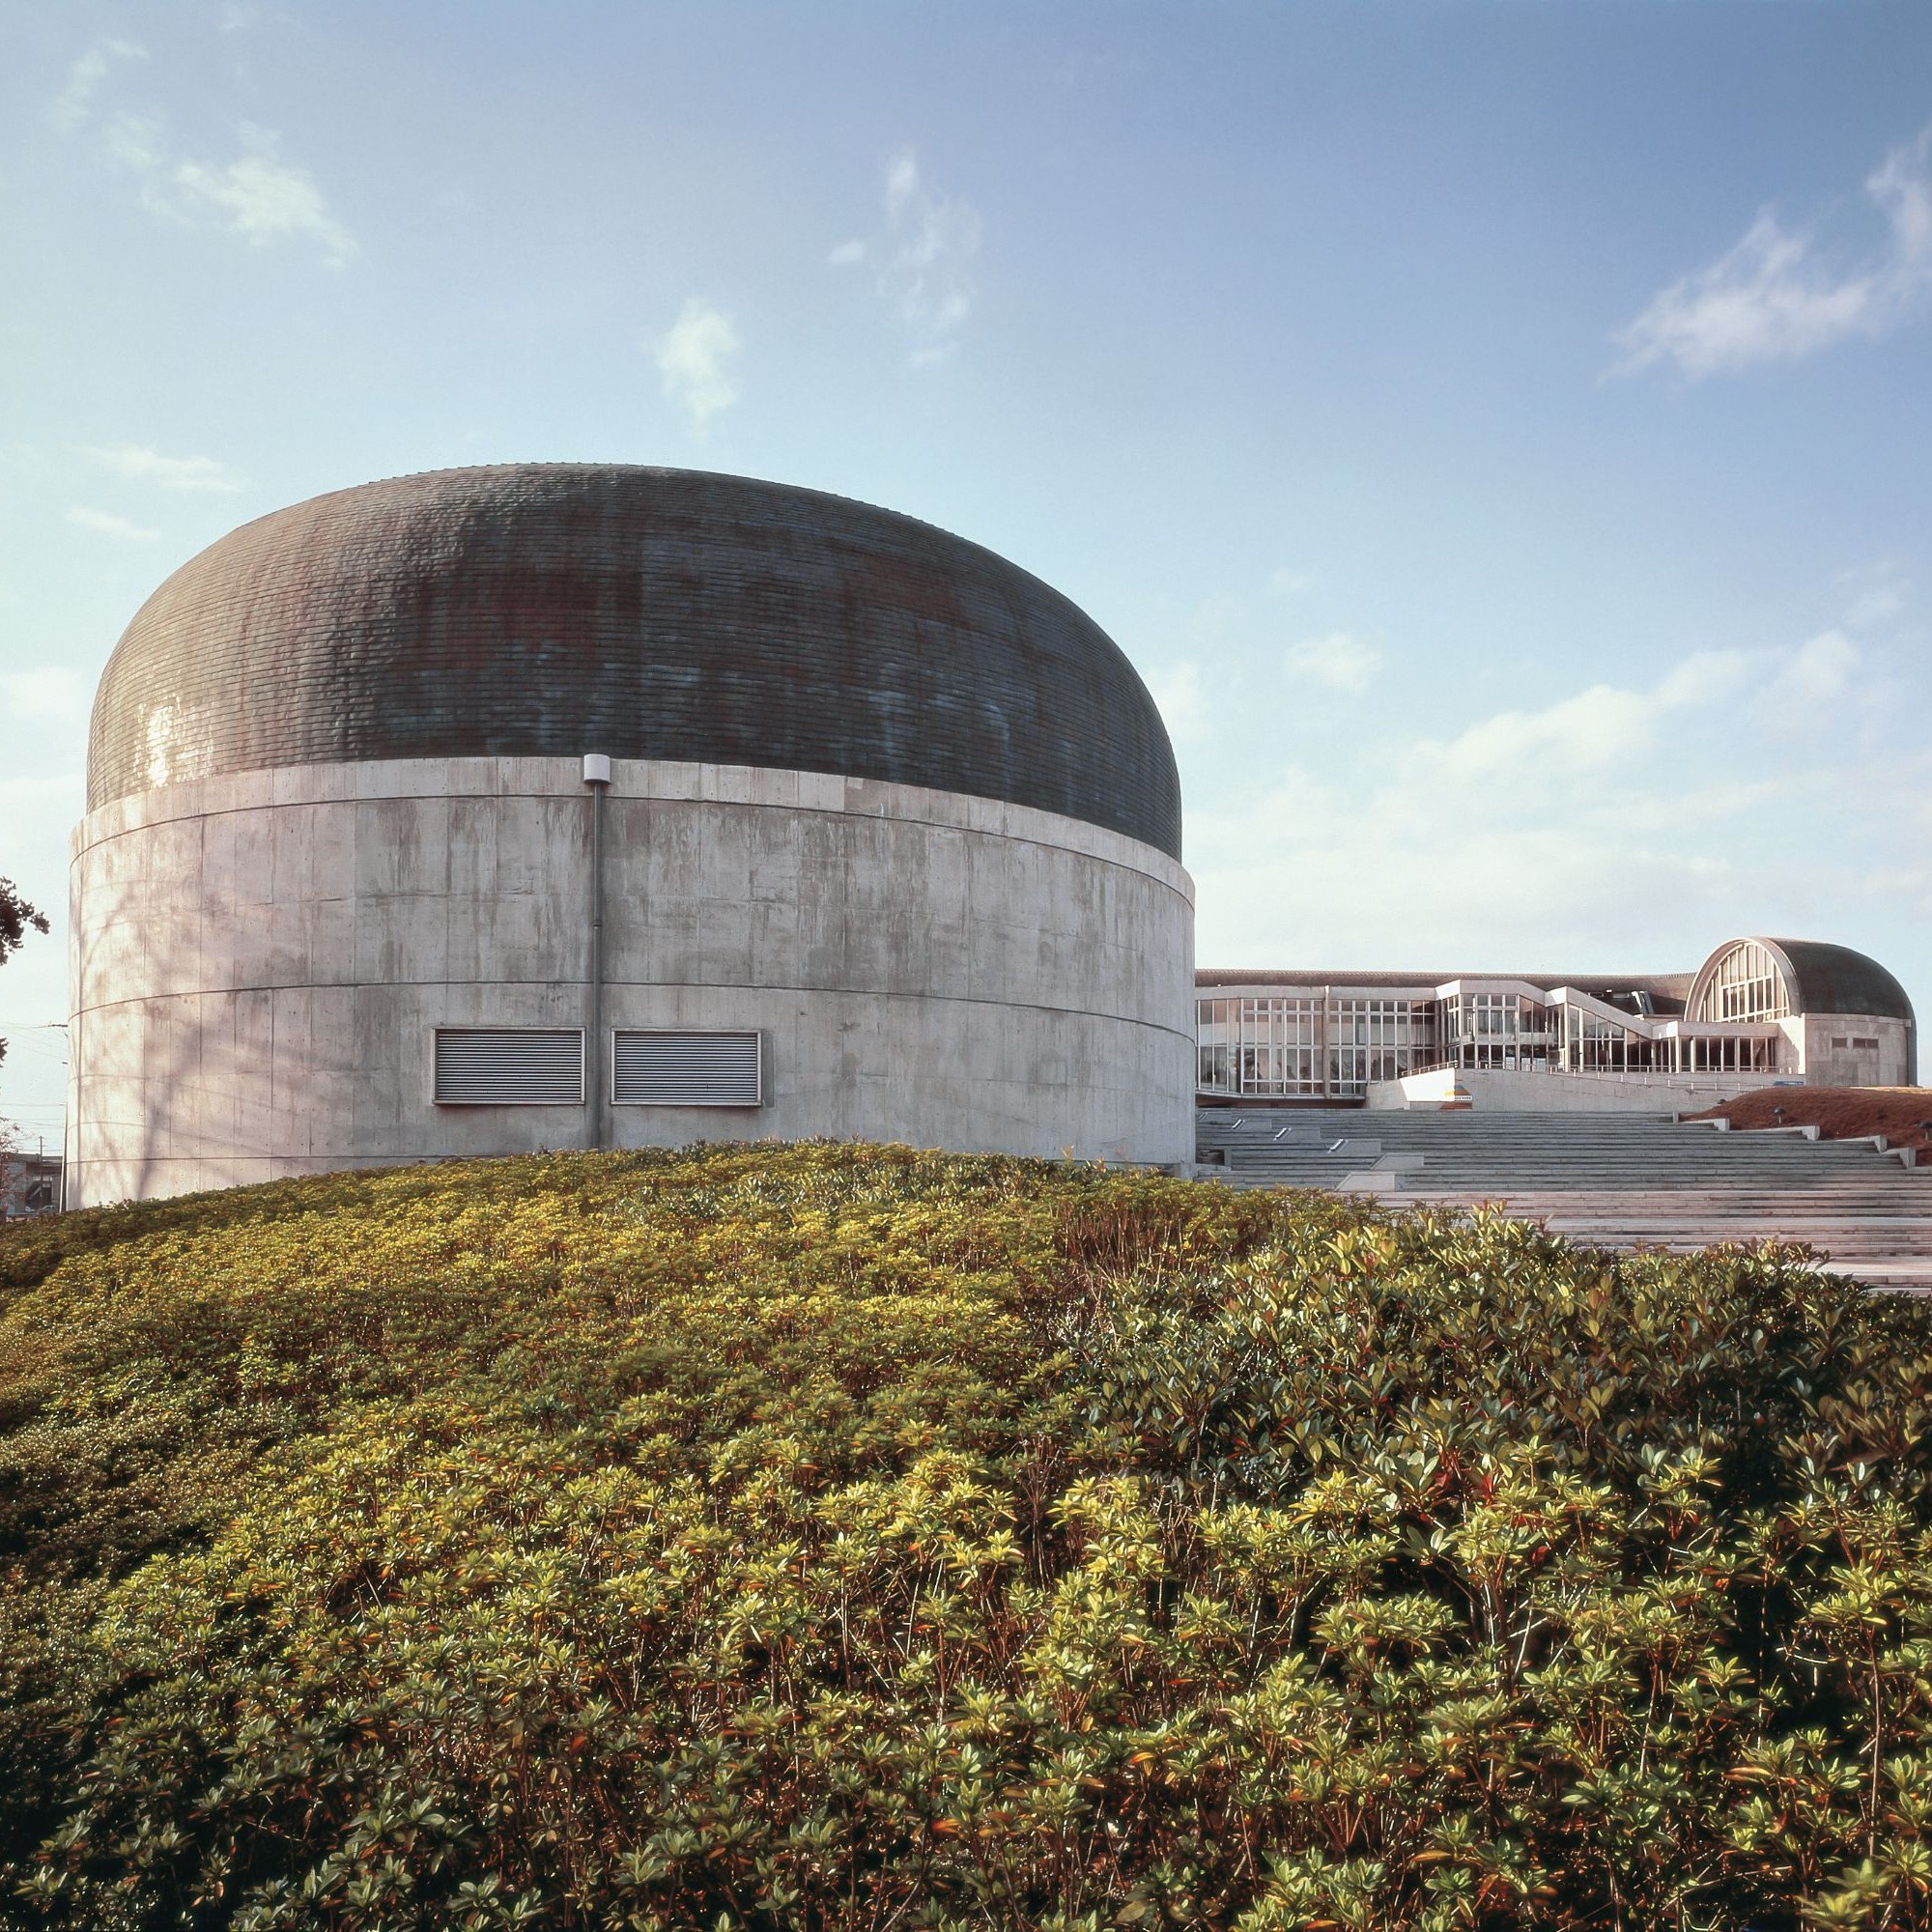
x: 1835, y: 979
x: 549, y: 610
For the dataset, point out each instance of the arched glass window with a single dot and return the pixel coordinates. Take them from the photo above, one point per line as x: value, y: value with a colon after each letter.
x: 1744, y: 984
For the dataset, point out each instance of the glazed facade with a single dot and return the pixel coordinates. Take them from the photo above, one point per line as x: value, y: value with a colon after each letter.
x: 1759, y: 1010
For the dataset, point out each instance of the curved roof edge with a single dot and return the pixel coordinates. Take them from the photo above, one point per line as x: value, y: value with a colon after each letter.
x: 1823, y: 977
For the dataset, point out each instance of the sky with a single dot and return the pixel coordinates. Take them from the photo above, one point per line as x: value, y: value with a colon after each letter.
x: 1499, y: 434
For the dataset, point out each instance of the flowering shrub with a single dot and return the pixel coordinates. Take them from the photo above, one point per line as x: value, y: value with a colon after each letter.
x: 846, y: 1537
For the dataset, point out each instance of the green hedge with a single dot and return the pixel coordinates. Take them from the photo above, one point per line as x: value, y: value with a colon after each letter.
x: 831, y: 1536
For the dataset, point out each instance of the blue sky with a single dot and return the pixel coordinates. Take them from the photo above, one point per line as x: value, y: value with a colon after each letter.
x: 1501, y: 434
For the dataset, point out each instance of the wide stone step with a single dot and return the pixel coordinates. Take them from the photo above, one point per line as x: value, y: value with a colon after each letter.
x: 1618, y: 1182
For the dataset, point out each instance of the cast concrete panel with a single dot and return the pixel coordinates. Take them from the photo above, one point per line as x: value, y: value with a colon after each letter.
x: 924, y: 966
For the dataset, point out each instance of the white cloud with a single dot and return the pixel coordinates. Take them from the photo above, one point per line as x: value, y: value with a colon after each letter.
x: 258, y: 196
x: 1528, y: 836
x: 264, y: 199
x: 1817, y: 671
x: 1705, y: 677
x: 49, y: 693
x: 1771, y: 299
x: 901, y: 181
x: 107, y: 525
x: 1291, y: 583
x: 694, y: 362
x: 139, y: 463
x: 924, y: 259
x: 1876, y: 606
x: 73, y: 105
x: 1406, y: 865
x: 1876, y: 594
x: 1338, y: 662
x: 137, y: 142
x: 1704, y: 805
x: 1605, y: 726
x: 1599, y: 726
x: 1183, y: 700
x: 1214, y: 624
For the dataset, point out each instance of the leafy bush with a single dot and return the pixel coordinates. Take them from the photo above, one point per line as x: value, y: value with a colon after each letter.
x: 829, y: 1536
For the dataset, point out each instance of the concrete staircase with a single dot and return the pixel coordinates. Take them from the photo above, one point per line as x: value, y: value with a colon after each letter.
x: 1608, y: 1180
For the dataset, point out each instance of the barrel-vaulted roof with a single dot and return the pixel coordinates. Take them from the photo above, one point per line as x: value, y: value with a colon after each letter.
x: 549, y: 610
x: 1826, y: 978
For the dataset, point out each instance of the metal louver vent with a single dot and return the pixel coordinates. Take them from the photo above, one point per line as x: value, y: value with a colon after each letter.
x: 686, y: 1069
x: 509, y: 1066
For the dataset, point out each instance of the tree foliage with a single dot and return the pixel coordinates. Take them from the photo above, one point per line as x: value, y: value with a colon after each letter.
x: 843, y: 1537
x: 16, y: 918
x: 17, y: 915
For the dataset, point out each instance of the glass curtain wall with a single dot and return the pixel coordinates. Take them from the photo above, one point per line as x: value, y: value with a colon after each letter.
x: 1593, y: 1044
x: 1270, y: 1048
x: 1745, y: 986
x: 1289, y: 1046
x: 1301, y: 1047
x: 1377, y: 1039
x: 1500, y: 1032
x: 1702, y: 1053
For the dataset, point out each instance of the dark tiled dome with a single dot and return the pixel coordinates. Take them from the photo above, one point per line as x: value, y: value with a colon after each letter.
x: 547, y: 609
x: 1835, y: 980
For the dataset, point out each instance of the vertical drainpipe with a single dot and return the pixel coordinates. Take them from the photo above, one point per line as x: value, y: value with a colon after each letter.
x: 597, y: 777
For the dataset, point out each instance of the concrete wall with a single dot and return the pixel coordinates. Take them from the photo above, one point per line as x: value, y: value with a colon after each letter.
x: 259, y: 962
x: 1502, y: 1091
x: 1827, y: 1064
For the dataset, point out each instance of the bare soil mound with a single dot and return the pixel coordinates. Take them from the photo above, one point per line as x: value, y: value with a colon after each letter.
x: 1903, y: 1115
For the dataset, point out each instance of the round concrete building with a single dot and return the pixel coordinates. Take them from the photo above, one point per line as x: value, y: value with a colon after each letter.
x: 556, y: 806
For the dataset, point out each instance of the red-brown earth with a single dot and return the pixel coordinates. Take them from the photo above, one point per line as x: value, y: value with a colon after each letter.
x: 1903, y: 1115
